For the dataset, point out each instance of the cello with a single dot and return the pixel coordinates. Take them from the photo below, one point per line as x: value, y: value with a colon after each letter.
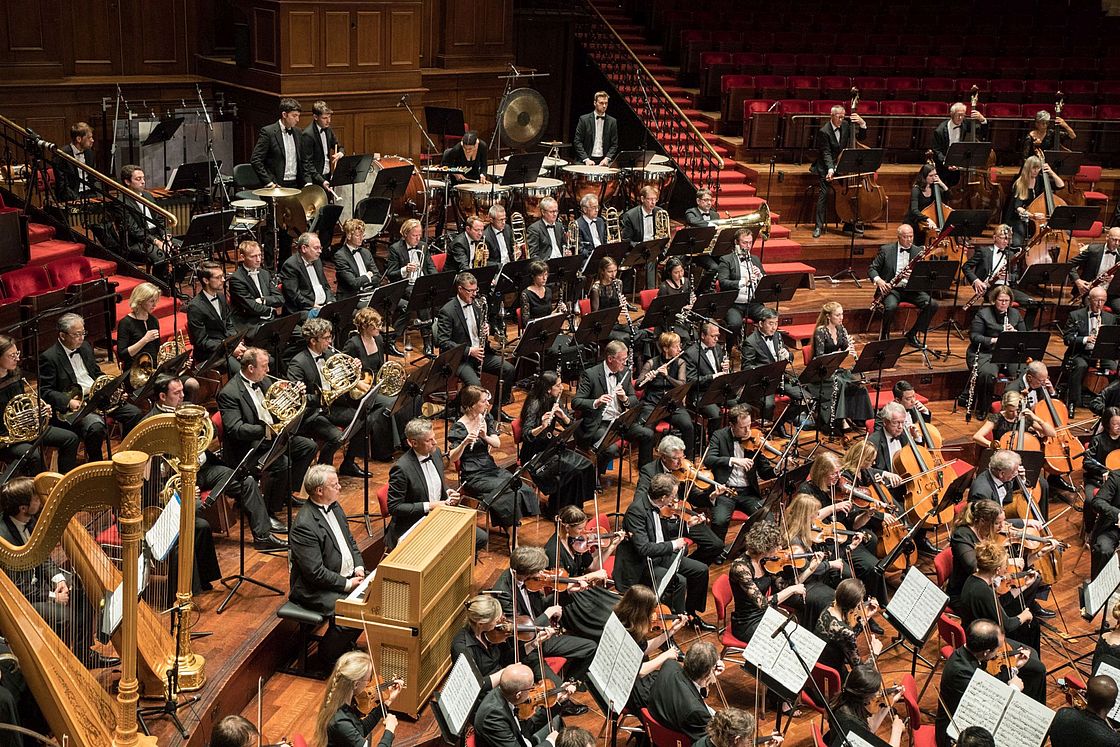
x: 860, y: 199
x: 1047, y: 244
x: 936, y: 212
x: 927, y: 482
x: 975, y: 191
x: 1064, y: 453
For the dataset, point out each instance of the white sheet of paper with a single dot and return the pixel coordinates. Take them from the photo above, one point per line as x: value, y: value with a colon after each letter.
x: 459, y: 693
x: 618, y: 658
x: 916, y: 603
x: 773, y: 656
x: 1100, y: 588
x: 1025, y: 722
x: 670, y: 573
x: 982, y: 704
x: 165, y: 531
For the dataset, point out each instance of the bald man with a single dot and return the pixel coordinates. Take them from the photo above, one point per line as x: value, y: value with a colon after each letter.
x: 1081, y: 340
x: 496, y: 723
x: 891, y: 260
x: 1095, y: 260
x: 1088, y: 726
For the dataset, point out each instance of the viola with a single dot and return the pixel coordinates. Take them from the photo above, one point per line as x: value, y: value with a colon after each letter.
x: 682, y: 513
x: 1031, y: 542
x: 591, y: 542
x: 875, y: 497
x: 525, y: 630
x: 550, y: 580
x: 794, y: 558
x: 661, y: 619
x: 541, y: 696
x: 756, y: 441
x: 369, y: 697
x: 1009, y: 582
x: 702, y: 478
x: 832, y: 531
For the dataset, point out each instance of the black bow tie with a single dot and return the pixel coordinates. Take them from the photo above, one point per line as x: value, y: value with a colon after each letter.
x: 289, y: 131
x: 76, y: 353
x: 256, y: 385
x: 319, y: 357
x: 1094, y: 316
x: 426, y: 459
x: 956, y: 127
x: 600, y: 116
x: 1113, y: 252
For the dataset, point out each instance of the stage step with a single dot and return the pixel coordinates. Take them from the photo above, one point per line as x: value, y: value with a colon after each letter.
x: 37, y: 232
x: 48, y: 250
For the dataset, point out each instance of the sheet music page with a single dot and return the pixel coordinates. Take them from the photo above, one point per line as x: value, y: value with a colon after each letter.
x: 618, y: 658
x: 1110, y: 671
x: 773, y: 656
x: 670, y: 573
x: 165, y: 532
x: 982, y: 705
x: 916, y: 603
x: 1100, y: 588
x: 459, y: 693
x: 855, y: 740
x: 113, y: 612
x: 1025, y: 722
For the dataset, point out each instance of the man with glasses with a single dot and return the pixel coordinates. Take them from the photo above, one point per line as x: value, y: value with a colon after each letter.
x: 209, y: 318
x: 546, y: 237
x: 67, y: 372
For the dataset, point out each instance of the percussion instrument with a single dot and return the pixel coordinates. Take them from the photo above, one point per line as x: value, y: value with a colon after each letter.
x: 532, y: 193
x: 276, y: 192
x: 580, y: 180
x: 410, y: 205
x: 295, y: 213
x: 657, y: 176
x: 476, y: 199
x: 249, y: 213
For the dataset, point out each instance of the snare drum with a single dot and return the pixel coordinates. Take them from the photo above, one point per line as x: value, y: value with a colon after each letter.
x: 249, y: 212
x: 534, y: 192
x: 475, y: 199
x: 580, y: 180
x: 655, y: 175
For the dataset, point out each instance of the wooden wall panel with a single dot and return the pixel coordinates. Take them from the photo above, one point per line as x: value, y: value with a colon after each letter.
x: 302, y: 46
x: 476, y: 32
x: 404, y: 38
x: 386, y: 133
x: 94, y: 38
x: 336, y: 40
x: 369, y: 37
x: 265, y: 33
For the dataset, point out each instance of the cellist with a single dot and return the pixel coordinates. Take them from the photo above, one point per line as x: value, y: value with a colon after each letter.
x: 907, y: 396
x: 888, y: 442
x: 1012, y: 409
x: 1002, y: 480
x: 1106, y: 532
x: 1100, y: 446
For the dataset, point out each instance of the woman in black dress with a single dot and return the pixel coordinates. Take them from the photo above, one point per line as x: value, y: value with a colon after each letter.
x: 1100, y: 446
x: 980, y: 520
x: 472, y: 437
x: 921, y: 197
x: 999, y: 424
x: 484, y: 614
x: 675, y: 282
x: 1042, y: 137
x: 12, y: 384
x: 1024, y: 190
x: 368, y: 346
x: 803, y: 512
x: 752, y: 588
x: 138, y: 334
x: 566, y: 477
x: 340, y: 723
x: 606, y: 293
x: 574, y: 549
x: 661, y: 373
x: 853, y: 705
x: 840, y: 627
x: 537, y: 303
x: 980, y: 599
x: 842, y: 403
x: 637, y: 611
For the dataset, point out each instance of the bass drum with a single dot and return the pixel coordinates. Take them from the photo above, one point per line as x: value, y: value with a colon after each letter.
x: 658, y: 176
x: 410, y: 205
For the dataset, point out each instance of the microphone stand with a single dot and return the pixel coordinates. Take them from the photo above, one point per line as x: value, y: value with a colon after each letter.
x: 431, y: 155
x: 211, y: 157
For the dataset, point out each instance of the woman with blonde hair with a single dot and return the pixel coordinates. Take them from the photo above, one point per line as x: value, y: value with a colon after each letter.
x: 842, y: 403
x: 1024, y: 190
x: 340, y: 723
x: 138, y: 333
x: 660, y: 374
x: 368, y: 345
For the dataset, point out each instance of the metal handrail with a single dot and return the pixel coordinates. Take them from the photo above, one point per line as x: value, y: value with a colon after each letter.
x: 94, y: 173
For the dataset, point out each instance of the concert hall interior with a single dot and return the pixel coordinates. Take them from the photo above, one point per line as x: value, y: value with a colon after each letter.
x: 497, y: 372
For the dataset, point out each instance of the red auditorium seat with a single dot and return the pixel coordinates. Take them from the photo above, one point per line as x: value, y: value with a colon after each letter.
x: 1040, y: 90
x: 939, y: 89
x: 868, y: 106
x: 823, y: 106
x: 735, y: 89
x: 781, y: 63
x: 898, y: 130
x: 1090, y: 175
x: 1071, y: 112
x: 813, y: 63
x: 771, y: 87
x: 931, y: 109
x: 998, y: 109
x: 1080, y: 90
x: 964, y: 85
x: 1012, y: 67
x: 845, y: 64
x: 1046, y: 67
x: 67, y: 271
x: 984, y: 66
x: 835, y: 86
x: 943, y: 65
x: 753, y: 63
x: 1008, y: 90
x: 788, y: 41
x: 1081, y: 67
x: 870, y: 87
x: 910, y: 64
x: 877, y: 64
x: 804, y: 86
x: 907, y: 87
x: 26, y: 282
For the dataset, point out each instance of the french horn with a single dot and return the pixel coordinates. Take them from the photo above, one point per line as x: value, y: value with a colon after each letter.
x: 285, y: 400
x: 25, y: 417
x: 342, y: 373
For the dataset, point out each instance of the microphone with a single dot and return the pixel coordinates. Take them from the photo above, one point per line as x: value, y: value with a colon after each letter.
x: 402, y: 101
x: 778, y: 630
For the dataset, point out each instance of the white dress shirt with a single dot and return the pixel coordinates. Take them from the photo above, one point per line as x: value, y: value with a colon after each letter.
x: 597, y: 145
x: 551, y: 231
x: 258, y: 400
x: 316, y: 286
x: 326, y: 153
x: 595, y: 240
x: 431, y: 478
x: 347, y: 569
x: 288, y: 137
x: 81, y: 375
x: 472, y: 323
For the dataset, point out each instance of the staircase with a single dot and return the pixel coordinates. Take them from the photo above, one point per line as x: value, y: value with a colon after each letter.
x: 704, y: 156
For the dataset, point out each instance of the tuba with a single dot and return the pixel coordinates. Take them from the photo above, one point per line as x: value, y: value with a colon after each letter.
x: 342, y: 373
x: 758, y: 220
x: 614, y: 230
x: 660, y: 223
x: 285, y: 400
x: 520, y: 248
x: 25, y: 417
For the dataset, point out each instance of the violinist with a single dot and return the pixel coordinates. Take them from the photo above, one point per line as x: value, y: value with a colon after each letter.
x: 1108, y: 644
x: 981, y: 600
x: 921, y: 197
x: 802, y: 514
x: 891, y: 260
x: 640, y: 614
x: 1093, y: 261
x: 1081, y: 338
x: 1100, y: 446
x: 340, y: 723
x: 961, y: 125
x: 1088, y: 726
x: 657, y: 538
x: 707, y: 360
x: 981, y: 519
x: 764, y: 346
x: 566, y: 477
x: 573, y: 736
x: 699, y: 493
x: 1026, y: 187
x: 858, y: 471
x: 481, y: 640
x: 853, y: 705
x: 741, y: 270
x: 661, y: 373
x: 677, y: 697
x: 737, y: 458
x: 732, y: 727
x: 1106, y: 532
x: 496, y: 721
x: 579, y: 552
x: 752, y: 588
x: 841, y: 625
x: 1042, y: 137
x: 984, y: 641
x: 843, y: 403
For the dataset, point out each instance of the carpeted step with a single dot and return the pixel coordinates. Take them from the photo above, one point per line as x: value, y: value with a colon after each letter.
x: 108, y: 267
x: 125, y: 284
x: 164, y: 307
x: 167, y: 325
x: 37, y: 232
x: 782, y: 250
x: 738, y: 204
x: 46, y: 251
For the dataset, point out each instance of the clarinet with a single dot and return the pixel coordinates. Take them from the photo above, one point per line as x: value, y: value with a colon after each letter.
x: 625, y: 306
x: 971, y: 393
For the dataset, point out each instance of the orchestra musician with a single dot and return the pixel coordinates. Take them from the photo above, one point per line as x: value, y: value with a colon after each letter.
x: 339, y: 723
x: 13, y: 384
x: 461, y: 253
x: 891, y: 422
x: 596, y: 140
x: 604, y: 392
x: 418, y: 483
x: 499, y: 236
x: 752, y: 587
x: 573, y: 736
x: 830, y: 139
x: 1088, y: 726
x: 354, y: 268
x: 566, y: 477
x: 638, y: 612
x: 319, y: 143
x: 605, y: 293
x: 980, y: 600
x: 992, y: 266
x: 145, y: 232
x: 841, y: 624
x: 732, y: 727
x: 70, y: 181
x: 234, y: 731
x: 738, y: 468
x: 764, y: 346
x: 703, y: 215
x: 891, y: 260
x: 254, y: 295
x: 661, y: 374
x: 676, y: 699
x: 987, y: 324
x: 209, y: 317
x: 472, y: 438
x: 302, y: 280
x: 1042, y: 137
x: 1106, y: 533
x: 496, y: 723
x: 67, y: 371
x: 907, y: 396
x: 325, y: 562
x: 962, y: 125
x: 470, y: 152
x: 1026, y: 187
x: 545, y: 237
x: 1107, y: 397
x: 842, y: 403
x: 639, y: 224
x: 858, y: 471
x: 592, y: 227
x: 321, y: 423
x: 1081, y: 337
x: 1108, y: 644
x: 246, y: 423
x: 671, y: 461
x: 741, y: 270
x: 997, y: 483
x: 707, y: 361
x: 675, y: 282
x: 1096, y: 455
x: 657, y: 539
x: 1094, y: 261
x: 478, y: 639
x: 536, y: 302
x: 852, y: 705
x: 579, y: 549
x: 138, y: 333
x: 1013, y: 406
x: 368, y: 345
x: 921, y: 197
x: 981, y: 519
x: 460, y: 321
x: 408, y: 260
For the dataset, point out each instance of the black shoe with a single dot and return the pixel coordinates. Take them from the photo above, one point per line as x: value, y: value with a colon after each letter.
x: 276, y: 526
x: 351, y: 469
x: 297, y: 501
x: 269, y: 544
x: 875, y: 627
x: 1044, y: 613
x: 913, y: 341
x: 698, y: 622
x: 817, y: 232
x: 428, y: 350
x: 571, y: 708
x: 925, y: 547
x: 392, y: 349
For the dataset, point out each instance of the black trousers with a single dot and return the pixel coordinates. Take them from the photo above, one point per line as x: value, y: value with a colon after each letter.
x: 740, y: 311
x: 726, y: 505
x: 92, y: 429
x: 636, y: 433
x: 680, y: 420
x: 1078, y: 366
x: 927, y: 307
x: 64, y: 440
x: 244, y: 490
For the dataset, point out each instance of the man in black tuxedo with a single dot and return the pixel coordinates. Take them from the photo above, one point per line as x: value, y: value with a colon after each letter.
x: 596, y: 138
x: 830, y: 139
x: 355, y: 270
x: 470, y: 152
x: 1106, y: 531
x: 460, y: 255
x: 741, y: 270
x: 498, y: 236
x: 69, y: 365
x: 737, y: 468
x: 592, y: 227
x: 605, y: 391
x: 1095, y: 260
x: 253, y: 293
x: 210, y: 318
x: 325, y: 563
x: 459, y: 322
x: 319, y: 143
x: 639, y: 224
x: 1080, y: 338
x: 891, y: 260
x: 408, y: 260
x: 417, y: 484
x: 676, y: 699
x: 955, y: 130
x: 764, y: 346
x: 245, y: 424
x: 145, y: 231
x: 70, y: 181
x: 546, y: 236
x: 496, y: 723
x: 302, y: 280
x: 703, y: 215
x: 986, y: 260
x: 704, y: 362
x: 1087, y: 726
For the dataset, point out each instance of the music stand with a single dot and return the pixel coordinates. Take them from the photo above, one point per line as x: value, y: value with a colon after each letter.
x: 1065, y: 163
x: 429, y: 291
x: 385, y: 298
x: 713, y: 306
x: 725, y: 389
x: 763, y: 382
x: 340, y: 314
x: 513, y: 276
x: 351, y: 170
x: 673, y: 397
x: 442, y: 368
x: 445, y: 121
x: 374, y: 212
x: 413, y: 387
x: 163, y: 131
x: 197, y: 175
x: 690, y: 240
x: 634, y: 159
x: 208, y: 228
x: 391, y: 183
x: 171, y: 366
x: 614, y: 433
x: 1016, y: 347
x: 1045, y: 274
x: 930, y: 277
x: 562, y: 270
x: 966, y: 156
x: 819, y: 370
x: 538, y: 336
x: 522, y: 168
x: 365, y: 404
x: 879, y: 354
x: 643, y: 253
x: 725, y: 242
x: 221, y: 353
x: 99, y: 400
x: 664, y: 310
x: 616, y: 250
x: 596, y: 327
x: 1108, y: 343
x: 778, y: 287
x: 485, y: 275
x: 273, y: 335
x: 854, y: 163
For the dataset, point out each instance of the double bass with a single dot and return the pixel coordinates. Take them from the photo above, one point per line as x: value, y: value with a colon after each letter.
x: 1048, y: 244
x: 859, y: 199
x: 975, y: 191
x: 937, y: 212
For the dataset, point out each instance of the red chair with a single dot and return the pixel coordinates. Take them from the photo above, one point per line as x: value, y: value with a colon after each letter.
x: 1073, y: 112
x: 804, y: 86
x: 749, y: 62
x: 818, y: 739
x: 470, y: 741
x: 761, y: 123
x: 25, y: 282
x: 943, y: 566
x: 813, y: 63
x: 584, y: 306
x: 871, y: 87
x: 950, y: 631
x: 835, y: 86
x: 940, y: 90
x: 735, y: 91
x: 845, y: 64
x: 1090, y: 175
x: 943, y: 64
x: 1041, y: 90
x: 1000, y: 109
x: 659, y: 734
x: 909, y: 64
x: 781, y: 63
x: 964, y: 85
x: 907, y: 88
x: 1008, y: 90
x: 921, y: 735
x: 439, y: 260
x: 383, y: 500
x: 721, y: 592
x: 645, y: 298
x: 770, y: 86
x: 931, y: 109
x: 828, y: 684
x: 66, y: 271
x: 877, y: 64
x: 299, y: 741
x: 1082, y: 90
x: 806, y: 353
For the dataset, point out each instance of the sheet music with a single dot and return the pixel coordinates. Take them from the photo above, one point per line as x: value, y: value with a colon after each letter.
x: 1100, y: 588
x: 1025, y: 722
x: 615, y: 667
x: 1014, y: 719
x: 459, y: 693
x: 772, y: 654
x: 1110, y: 671
x: 670, y: 573
x: 916, y: 603
x: 855, y: 740
x: 165, y: 532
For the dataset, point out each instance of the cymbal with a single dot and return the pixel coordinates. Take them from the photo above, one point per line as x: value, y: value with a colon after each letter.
x: 523, y: 115
x: 555, y: 144
x: 275, y: 192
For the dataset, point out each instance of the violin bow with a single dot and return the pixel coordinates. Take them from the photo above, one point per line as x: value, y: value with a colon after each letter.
x: 513, y: 622
x: 598, y: 531
x: 373, y: 666
x: 657, y: 600
x: 692, y: 483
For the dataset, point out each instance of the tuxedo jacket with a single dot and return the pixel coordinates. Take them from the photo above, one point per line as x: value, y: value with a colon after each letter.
x: 987, y: 324
x: 630, y: 566
x: 880, y: 441
x: 693, y: 217
x: 489, y: 235
x: 303, y: 368
x: 242, y: 428
x: 451, y: 326
x: 592, y: 385
x: 246, y: 310
x: 755, y: 351
x: 66, y: 176
x: 941, y: 137
x: 828, y: 147
x: 205, y: 327
x: 299, y: 296
x: 267, y: 158
x: 537, y: 602
x: 56, y: 374
x: 632, y: 224
x: 350, y: 282
x: 984, y: 488
x: 408, y: 492
x: 315, y: 558
x: 699, y: 369
x: 727, y: 271
x: 536, y: 236
x: 885, y: 264
x: 136, y: 226
x: 313, y: 148
x: 718, y: 460
x: 676, y: 703
x: 584, y: 139
x: 460, y: 255
x: 495, y: 725
x: 1087, y: 264
x: 979, y: 266
x: 1077, y: 329
x: 398, y: 258
x: 585, y: 243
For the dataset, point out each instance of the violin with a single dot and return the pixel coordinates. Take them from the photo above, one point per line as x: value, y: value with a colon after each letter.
x: 832, y: 531
x: 1031, y: 542
x: 682, y: 513
x: 1002, y: 660
x: 876, y: 497
x: 550, y: 580
x: 702, y: 478
x: 891, y: 534
x: 540, y: 695
x: 591, y: 543
x: 370, y: 697
x: 794, y: 558
x: 661, y: 619
x: 756, y: 441
x: 525, y: 630
x: 1009, y: 582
